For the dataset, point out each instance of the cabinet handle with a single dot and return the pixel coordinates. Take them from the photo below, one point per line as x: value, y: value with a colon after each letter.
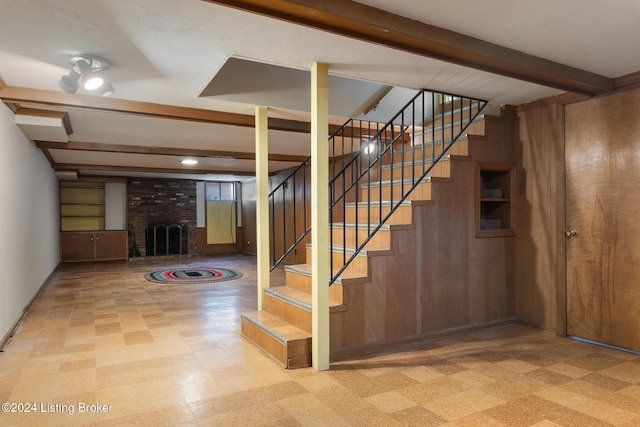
x: 570, y: 233
x: 97, y: 238
x: 92, y: 239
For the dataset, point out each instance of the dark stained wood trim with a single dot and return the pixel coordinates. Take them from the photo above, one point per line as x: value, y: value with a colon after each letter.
x: 12, y: 106
x: 12, y: 95
x: 623, y: 83
x: 162, y: 151
x: 84, y: 167
x: 351, y: 19
x: 60, y: 99
x: 48, y: 113
x: 629, y: 81
x: 49, y: 157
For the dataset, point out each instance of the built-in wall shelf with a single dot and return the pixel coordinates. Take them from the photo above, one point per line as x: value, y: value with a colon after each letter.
x: 81, y: 206
x: 495, y: 190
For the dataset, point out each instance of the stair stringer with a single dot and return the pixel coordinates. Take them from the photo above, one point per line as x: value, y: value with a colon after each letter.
x: 439, y: 279
x: 418, y: 285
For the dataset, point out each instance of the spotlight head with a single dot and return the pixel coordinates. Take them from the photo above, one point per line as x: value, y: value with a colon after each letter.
x: 88, y: 70
x: 93, y: 79
x: 70, y: 83
x: 106, y: 89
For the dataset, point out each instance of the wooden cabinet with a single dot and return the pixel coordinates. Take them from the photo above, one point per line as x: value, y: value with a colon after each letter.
x: 495, y: 190
x: 93, y: 245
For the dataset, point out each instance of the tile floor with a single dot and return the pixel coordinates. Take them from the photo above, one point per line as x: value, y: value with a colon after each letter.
x: 162, y: 355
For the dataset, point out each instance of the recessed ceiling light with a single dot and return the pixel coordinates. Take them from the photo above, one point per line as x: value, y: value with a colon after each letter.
x: 189, y: 162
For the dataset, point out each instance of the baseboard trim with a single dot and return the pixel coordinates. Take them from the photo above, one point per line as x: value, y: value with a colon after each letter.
x: 7, y: 338
x: 347, y: 353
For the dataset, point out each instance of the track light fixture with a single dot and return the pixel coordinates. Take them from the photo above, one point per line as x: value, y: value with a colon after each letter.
x: 87, y: 70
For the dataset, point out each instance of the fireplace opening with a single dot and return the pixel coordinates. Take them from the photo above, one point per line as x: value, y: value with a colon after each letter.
x: 163, y: 239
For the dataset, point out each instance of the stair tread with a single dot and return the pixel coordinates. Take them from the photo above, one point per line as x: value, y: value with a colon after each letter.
x: 278, y: 328
x: 406, y: 182
x: 419, y: 144
x: 305, y: 269
x: 363, y: 252
x: 297, y: 295
x: 365, y: 226
x: 376, y: 202
x: 418, y: 161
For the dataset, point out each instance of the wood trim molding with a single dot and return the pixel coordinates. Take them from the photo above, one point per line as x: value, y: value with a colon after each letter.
x: 629, y: 81
x: 12, y: 95
x: 623, y: 83
x: 163, y: 151
x: 358, y: 21
x: 86, y: 167
x: 66, y: 123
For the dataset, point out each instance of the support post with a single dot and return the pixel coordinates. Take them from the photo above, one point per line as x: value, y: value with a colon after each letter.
x: 320, y: 216
x: 262, y: 201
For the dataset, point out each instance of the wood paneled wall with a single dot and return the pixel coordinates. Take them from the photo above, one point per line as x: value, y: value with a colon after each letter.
x: 540, y: 243
x: 540, y: 217
x: 443, y: 279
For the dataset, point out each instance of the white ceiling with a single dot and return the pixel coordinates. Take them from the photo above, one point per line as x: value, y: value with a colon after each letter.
x: 167, y: 52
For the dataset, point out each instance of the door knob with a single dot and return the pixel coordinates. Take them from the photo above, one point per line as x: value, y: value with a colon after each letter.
x: 571, y: 232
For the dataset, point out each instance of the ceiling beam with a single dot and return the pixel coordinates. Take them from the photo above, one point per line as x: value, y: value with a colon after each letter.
x: 161, y: 151
x: 84, y: 167
x: 351, y: 19
x: 64, y: 117
x: 12, y: 95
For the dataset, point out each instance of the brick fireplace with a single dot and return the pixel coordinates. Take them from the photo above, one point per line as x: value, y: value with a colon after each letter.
x: 151, y: 202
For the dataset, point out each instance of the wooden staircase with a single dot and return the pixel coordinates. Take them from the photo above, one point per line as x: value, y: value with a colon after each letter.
x: 283, y: 328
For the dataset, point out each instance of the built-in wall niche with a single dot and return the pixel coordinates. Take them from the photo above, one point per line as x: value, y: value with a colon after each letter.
x: 495, y: 191
x: 82, y: 206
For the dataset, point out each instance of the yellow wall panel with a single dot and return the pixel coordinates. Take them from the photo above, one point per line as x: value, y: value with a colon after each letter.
x: 221, y: 222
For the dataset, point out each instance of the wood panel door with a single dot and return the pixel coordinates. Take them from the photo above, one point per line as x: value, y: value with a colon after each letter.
x: 602, y: 146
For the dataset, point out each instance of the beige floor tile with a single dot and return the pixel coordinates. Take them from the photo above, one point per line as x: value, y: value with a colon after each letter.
x: 137, y: 337
x: 628, y: 371
x: 309, y: 410
x: 173, y: 356
x: 569, y: 370
x: 462, y: 404
x: 391, y: 401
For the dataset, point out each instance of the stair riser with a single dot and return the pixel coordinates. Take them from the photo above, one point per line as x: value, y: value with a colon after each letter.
x: 402, y: 215
x: 460, y: 148
x: 456, y: 116
x: 298, y: 355
x: 421, y: 192
x: 476, y: 128
x: 380, y: 240
x: 293, y: 314
x: 359, y: 265
x: 302, y: 283
x: 441, y: 169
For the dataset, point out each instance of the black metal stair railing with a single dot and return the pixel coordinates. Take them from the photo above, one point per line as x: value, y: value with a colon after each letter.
x: 289, y: 210
x: 430, y: 122
x: 362, y: 153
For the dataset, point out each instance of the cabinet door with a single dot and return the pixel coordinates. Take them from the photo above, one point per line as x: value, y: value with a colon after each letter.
x: 76, y: 246
x: 111, y: 245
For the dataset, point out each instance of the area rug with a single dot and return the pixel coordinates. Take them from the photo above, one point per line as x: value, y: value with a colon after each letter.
x: 192, y: 275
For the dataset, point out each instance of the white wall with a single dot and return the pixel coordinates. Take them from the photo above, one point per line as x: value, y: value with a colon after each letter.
x: 200, y: 204
x: 29, y: 220
x: 115, y: 204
